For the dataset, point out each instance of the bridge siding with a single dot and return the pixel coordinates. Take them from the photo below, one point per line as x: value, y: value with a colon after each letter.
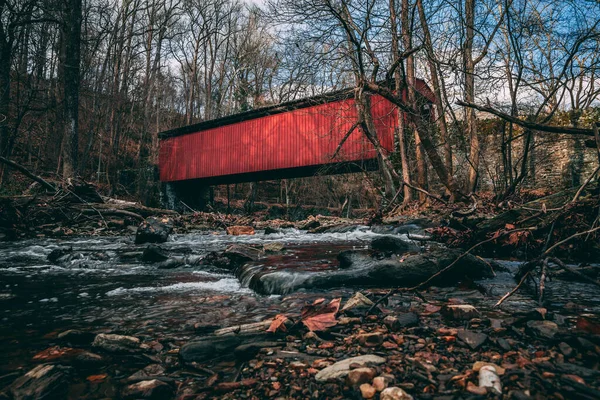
x: 298, y: 138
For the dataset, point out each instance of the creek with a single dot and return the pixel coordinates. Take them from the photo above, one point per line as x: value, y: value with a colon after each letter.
x: 104, y: 288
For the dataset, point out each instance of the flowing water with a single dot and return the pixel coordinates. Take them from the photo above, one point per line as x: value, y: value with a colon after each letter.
x: 104, y: 288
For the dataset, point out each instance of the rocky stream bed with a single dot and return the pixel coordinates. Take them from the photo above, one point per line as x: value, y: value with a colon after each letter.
x: 104, y: 317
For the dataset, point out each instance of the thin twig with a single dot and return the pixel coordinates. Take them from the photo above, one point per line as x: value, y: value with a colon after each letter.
x: 507, y: 295
x: 574, y: 272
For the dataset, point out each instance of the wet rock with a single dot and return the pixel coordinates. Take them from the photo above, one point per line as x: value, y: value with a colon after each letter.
x: 154, y: 230
x: 341, y: 368
x: 238, y: 230
x: 565, y: 349
x: 56, y: 254
x: 238, y: 253
x: 358, y: 268
x: 357, y: 302
x: 233, y: 257
x: 210, y: 347
x: 543, y: 329
x: 43, y: 382
x: 358, y: 376
x: 117, y: 343
x: 67, y: 355
x: 459, y: 312
x: 270, y: 231
x: 273, y: 247
x: 473, y: 339
x: 373, y: 339
x: 367, y: 391
x: 311, y: 223
x: 393, y: 245
x: 403, y: 320
x: 150, y: 389
x: 154, y: 253
x: 248, y: 351
x: 380, y: 383
x: 573, y: 369
x: 150, y: 371
x: 171, y: 263
x: 75, y: 336
x: 395, y: 393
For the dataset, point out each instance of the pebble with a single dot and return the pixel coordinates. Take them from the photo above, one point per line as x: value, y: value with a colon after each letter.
x: 370, y: 339
x: 357, y: 377
x: 459, y: 312
x: 545, y: 329
x: 380, y: 383
x: 150, y: 389
x: 367, y: 391
x: 395, y: 393
x: 473, y: 339
x: 116, y: 343
x: 565, y: 349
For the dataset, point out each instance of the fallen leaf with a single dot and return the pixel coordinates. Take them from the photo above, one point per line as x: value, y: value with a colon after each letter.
x: 586, y: 325
x: 278, y: 324
x: 96, y: 378
x: 320, y: 316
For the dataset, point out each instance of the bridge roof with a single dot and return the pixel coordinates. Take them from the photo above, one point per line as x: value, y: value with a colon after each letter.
x: 328, y: 97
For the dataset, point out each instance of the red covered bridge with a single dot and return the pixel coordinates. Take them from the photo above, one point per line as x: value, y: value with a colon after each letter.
x: 287, y: 140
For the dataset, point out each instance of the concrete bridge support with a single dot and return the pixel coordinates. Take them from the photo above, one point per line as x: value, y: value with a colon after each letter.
x: 177, y: 195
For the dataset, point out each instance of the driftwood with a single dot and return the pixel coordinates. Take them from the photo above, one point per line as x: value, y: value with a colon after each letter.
x: 130, y: 209
x: 245, y: 329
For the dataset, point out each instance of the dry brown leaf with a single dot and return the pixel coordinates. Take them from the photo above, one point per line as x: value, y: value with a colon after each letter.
x: 278, y: 324
x: 319, y: 316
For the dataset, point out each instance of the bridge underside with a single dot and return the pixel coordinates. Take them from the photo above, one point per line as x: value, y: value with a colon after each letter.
x: 195, y: 193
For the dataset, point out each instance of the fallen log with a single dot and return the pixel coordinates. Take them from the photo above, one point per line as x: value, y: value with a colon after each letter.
x: 28, y: 174
x: 112, y: 211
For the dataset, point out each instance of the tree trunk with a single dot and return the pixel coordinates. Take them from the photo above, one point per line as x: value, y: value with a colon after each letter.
x: 72, y: 34
x: 469, y: 72
x: 435, y: 81
x: 401, y: 119
x: 410, y: 77
x: 5, y: 60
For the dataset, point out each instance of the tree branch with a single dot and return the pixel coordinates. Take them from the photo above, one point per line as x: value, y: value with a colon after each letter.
x: 529, y: 125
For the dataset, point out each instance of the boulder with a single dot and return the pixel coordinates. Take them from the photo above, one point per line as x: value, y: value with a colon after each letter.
x: 43, y: 382
x: 117, y: 343
x: 393, y: 245
x: 234, y: 256
x: 150, y: 389
x: 154, y: 253
x: 341, y: 368
x: 269, y: 230
x: 359, y: 268
x: 154, y: 230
